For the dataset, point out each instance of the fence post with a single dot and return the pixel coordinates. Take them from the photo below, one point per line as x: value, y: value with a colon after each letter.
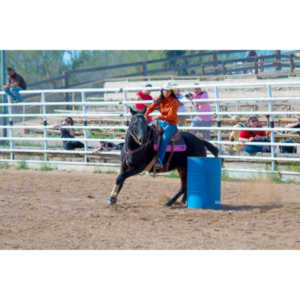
x: 125, y: 107
x: 218, y: 120
x: 11, y: 130
x: 4, y: 108
x: 85, y: 134
x: 24, y: 111
x: 45, y: 123
x: 273, y: 154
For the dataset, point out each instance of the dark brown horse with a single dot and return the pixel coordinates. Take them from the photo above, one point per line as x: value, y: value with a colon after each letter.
x: 138, y: 152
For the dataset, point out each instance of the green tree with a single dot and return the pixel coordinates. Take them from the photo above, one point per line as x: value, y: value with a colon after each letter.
x: 38, y: 64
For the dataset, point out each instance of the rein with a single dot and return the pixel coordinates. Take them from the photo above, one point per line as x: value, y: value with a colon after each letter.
x: 128, y: 153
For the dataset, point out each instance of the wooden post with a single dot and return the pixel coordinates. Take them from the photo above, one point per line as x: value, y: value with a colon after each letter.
x: 279, y: 59
x: 65, y: 83
x: 256, y: 65
x: 292, y: 63
x: 277, y: 62
x: 215, y: 61
x: 260, y: 62
x: 144, y: 69
x: 224, y: 68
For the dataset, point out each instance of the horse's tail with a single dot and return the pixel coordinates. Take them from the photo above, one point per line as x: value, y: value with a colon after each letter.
x: 198, y: 147
x: 213, y: 149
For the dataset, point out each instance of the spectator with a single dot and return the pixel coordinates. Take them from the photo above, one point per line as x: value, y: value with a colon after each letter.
x: 69, y: 133
x: 295, y: 125
x: 143, y: 95
x: 106, y: 146
x: 181, y: 107
x: 16, y: 83
x: 201, y: 120
x: 235, y: 134
x: 254, y: 136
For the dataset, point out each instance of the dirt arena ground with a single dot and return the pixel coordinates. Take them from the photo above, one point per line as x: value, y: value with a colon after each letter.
x: 61, y: 210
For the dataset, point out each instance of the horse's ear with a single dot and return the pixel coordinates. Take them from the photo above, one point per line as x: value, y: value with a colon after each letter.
x: 132, y: 111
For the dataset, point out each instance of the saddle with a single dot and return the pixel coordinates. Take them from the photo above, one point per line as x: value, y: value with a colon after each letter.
x: 176, y: 144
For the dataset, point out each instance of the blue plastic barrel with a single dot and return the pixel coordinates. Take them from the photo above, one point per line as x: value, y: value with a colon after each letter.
x: 204, y: 183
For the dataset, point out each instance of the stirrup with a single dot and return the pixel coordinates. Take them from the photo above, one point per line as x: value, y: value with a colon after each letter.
x: 157, y: 168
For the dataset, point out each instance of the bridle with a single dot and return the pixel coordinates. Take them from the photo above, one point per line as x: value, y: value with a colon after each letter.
x: 141, y: 147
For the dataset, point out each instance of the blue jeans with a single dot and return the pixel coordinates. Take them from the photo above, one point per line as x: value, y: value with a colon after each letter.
x: 168, y: 131
x: 14, y: 93
x: 253, y: 149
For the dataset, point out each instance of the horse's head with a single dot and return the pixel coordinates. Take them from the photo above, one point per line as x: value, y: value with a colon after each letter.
x: 138, y: 127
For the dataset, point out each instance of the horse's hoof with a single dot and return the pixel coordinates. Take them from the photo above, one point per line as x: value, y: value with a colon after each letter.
x: 112, y: 201
x: 169, y: 203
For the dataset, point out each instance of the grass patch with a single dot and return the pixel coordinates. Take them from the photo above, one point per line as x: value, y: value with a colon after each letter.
x: 4, y: 143
x: 294, y: 168
x: 22, y: 165
x: 46, y: 168
x: 4, y: 166
x: 226, y: 177
x: 172, y: 174
x: 275, y: 177
x: 110, y: 172
x: 104, y: 172
x: 97, y: 172
x: 29, y: 144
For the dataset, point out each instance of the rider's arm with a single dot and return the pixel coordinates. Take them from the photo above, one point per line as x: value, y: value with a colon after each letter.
x: 150, y: 109
x: 171, y: 117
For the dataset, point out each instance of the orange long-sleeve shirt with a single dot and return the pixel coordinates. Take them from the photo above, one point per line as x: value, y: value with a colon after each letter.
x: 168, y: 108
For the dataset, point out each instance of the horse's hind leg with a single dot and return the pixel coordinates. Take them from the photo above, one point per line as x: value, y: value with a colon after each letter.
x: 182, y: 174
x: 171, y: 201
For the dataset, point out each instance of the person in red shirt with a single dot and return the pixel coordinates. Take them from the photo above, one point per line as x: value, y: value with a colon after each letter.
x: 167, y: 104
x: 144, y: 95
x: 254, y: 136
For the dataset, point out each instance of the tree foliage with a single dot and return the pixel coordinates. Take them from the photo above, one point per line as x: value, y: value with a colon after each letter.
x: 36, y: 65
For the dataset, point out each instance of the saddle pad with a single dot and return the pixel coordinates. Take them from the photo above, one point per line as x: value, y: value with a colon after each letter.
x: 177, y: 148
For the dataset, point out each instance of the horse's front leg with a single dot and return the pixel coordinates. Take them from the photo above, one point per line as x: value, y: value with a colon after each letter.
x: 119, y: 184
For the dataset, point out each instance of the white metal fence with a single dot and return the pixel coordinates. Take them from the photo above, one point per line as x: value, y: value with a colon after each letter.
x: 121, y: 112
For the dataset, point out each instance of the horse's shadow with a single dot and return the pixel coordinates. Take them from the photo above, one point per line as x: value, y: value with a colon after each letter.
x: 226, y: 207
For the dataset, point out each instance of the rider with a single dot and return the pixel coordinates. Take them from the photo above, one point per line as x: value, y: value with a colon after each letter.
x: 167, y: 104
